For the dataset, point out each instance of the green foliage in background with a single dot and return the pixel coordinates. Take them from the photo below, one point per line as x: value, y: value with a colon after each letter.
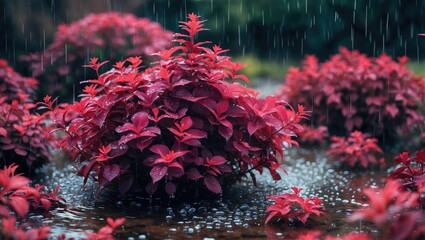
x: 417, y: 67
x: 276, y: 29
x: 259, y: 68
x: 267, y: 33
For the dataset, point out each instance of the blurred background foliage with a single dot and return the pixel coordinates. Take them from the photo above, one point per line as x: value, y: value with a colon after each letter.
x: 269, y: 35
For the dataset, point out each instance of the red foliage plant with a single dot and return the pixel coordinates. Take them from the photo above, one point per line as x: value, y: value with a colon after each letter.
x: 313, y: 135
x: 354, y: 92
x: 179, y: 122
x: 411, y: 172
x: 18, y: 197
x: 24, y: 136
x: 293, y: 206
x: 115, y: 35
x: 13, y: 86
x: 392, y: 209
x: 357, y: 149
x: 106, y: 231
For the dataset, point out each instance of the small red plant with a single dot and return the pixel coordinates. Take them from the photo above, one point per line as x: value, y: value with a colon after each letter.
x: 16, y: 195
x: 311, y: 135
x: 354, y: 92
x: 357, y: 149
x: 24, y: 136
x: 411, y: 172
x: 293, y: 206
x: 392, y: 209
x: 17, y: 198
x: 184, y: 121
x: 11, y: 231
x: 115, y: 35
x: 106, y: 232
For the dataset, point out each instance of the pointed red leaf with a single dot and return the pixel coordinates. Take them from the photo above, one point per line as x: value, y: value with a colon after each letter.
x: 115, y: 223
x: 158, y: 172
x: 45, y: 203
x: 212, y: 184
x: 20, y: 205
x: 225, y: 132
x: 110, y: 172
x: 14, y: 182
x: 193, y: 174
x: 218, y: 160
x: 170, y: 188
x: 125, y: 183
x: 3, y: 132
x: 159, y: 149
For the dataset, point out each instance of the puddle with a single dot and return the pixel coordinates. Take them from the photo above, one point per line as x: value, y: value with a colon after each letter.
x: 237, y: 214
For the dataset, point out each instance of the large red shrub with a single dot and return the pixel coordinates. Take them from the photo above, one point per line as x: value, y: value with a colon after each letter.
x: 184, y: 121
x: 111, y: 35
x: 354, y: 92
x: 24, y: 136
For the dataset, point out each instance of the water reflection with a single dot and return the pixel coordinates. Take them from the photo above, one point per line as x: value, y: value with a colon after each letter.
x: 237, y: 214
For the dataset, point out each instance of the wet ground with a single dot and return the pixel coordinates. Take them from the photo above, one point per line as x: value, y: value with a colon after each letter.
x: 237, y: 214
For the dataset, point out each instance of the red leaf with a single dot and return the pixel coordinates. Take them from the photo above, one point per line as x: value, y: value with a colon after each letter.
x: 193, y: 174
x: 212, y: 184
x: 104, y: 231
x: 252, y: 128
x: 270, y: 217
x: 115, y: 223
x: 218, y: 160
x: 110, y: 172
x: 170, y: 188
x: 420, y: 156
x: 9, y: 225
x: 222, y: 107
x: 125, y: 182
x: 225, y: 132
x: 392, y: 110
x: 16, y: 182
x: 20, y: 205
x: 3, y: 132
x: 243, y: 77
x: 46, y: 203
x: 158, y: 172
x: 159, y: 149
x: 21, y: 151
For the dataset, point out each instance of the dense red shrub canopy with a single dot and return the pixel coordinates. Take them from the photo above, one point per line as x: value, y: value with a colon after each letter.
x: 183, y: 121
x: 112, y: 35
x: 354, y: 92
x: 24, y: 136
x: 13, y: 86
